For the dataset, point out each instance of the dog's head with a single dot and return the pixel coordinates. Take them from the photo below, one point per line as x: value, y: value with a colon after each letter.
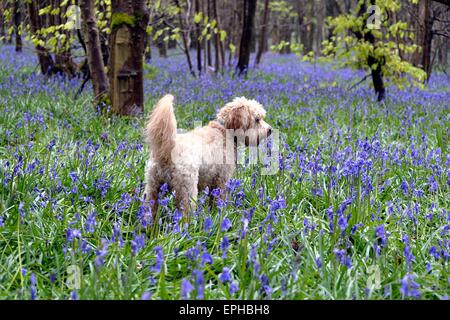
x: 246, y: 118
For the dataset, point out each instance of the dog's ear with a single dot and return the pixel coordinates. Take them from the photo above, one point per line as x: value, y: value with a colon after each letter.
x: 232, y: 116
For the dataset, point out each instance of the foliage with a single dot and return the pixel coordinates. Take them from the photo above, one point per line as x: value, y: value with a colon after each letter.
x: 351, y: 50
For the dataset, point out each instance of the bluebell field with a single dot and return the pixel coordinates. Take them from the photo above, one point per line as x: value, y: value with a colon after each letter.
x: 360, y: 208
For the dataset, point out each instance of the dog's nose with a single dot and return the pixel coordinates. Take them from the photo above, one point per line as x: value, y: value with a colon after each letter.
x: 269, y: 132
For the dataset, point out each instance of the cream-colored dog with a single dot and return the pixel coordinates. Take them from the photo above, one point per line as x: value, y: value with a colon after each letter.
x: 204, y: 157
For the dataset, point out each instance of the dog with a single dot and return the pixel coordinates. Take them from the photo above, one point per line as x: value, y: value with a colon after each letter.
x: 202, y: 158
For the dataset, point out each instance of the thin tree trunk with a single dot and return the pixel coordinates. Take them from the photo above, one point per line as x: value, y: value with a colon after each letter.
x: 263, y: 38
x: 220, y: 54
x: 45, y: 59
x: 94, y: 52
x: 247, y: 33
x: 427, y: 38
x: 198, y: 42
x: 209, y: 40
x: 17, y: 25
x: 184, y: 38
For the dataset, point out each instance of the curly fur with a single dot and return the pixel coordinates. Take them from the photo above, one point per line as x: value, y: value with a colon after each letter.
x: 201, y: 158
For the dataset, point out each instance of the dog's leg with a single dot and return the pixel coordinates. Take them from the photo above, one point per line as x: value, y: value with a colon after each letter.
x: 152, y: 186
x: 186, y: 189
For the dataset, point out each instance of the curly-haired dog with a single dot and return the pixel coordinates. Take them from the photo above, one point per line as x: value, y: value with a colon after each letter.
x: 203, y: 157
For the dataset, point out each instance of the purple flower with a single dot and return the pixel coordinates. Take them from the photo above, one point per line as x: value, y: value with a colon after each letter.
x: 208, y: 224
x: 233, y: 288
x: 33, y: 286
x: 90, y: 223
x: 73, y: 234
x: 74, y: 295
x: 186, y: 289
x: 137, y: 243
x: 216, y: 193
x: 409, y: 288
x: 199, y: 283
x: 101, y: 253
x: 226, y: 225
x: 224, y: 246
x: 318, y: 262
x: 147, y: 295
x: 265, y: 285
x: 225, y: 276
x: 381, y: 234
x: 159, y: 260
x: 409, y: 257
x: 206, y: 258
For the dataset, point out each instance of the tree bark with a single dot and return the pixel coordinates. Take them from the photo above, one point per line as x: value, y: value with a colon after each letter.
x: 184, y: 38
x: 247, y: 34
x: 197, y: 40
x: 128, y: 32
x: 94, y: 52
x: 427, y: 38
x: 45, y: 59
x: 263, y: 38
x: 17, y: 25
x: 220, y: 54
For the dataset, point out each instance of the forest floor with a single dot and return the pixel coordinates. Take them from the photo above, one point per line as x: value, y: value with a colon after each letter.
x: 359, y: 209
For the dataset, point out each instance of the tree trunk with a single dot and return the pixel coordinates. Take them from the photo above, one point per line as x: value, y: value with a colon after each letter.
x: 17, y: 25
x: 263, y: 38
x: 45, y: 59
x: 94, y: 52
x: 184, y: 37
x: 427, y: 38
x: 247, y: 33
x: 377, y: 78
x: 220, y: 54
x: 197, y: 40
x: 128, y: 32
x: 377, y: 73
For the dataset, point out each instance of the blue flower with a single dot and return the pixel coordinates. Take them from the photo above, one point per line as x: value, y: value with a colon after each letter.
x: 226, y: 225
x: 137, y: 243
x: 33, y: 286
x: 186, y: 289
x: 90, y: 223
x: 409, y: 288
x: 147, y: 295
x: 225, y: 276
x: 159, y: 259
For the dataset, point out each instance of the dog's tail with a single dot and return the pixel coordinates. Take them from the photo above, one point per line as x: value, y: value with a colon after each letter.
x: 161, y: 129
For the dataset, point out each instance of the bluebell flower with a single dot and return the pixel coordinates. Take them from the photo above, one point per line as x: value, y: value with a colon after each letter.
x: 409, y: 288
x: 33, y: 286
x: 90, y: 222
x: 225, y: 276
x: 74, y: 295
x: 147, y: 295
x: 137, y: 243
x: 206, y: 258
x: 233, y: 288
x: 186, y: 289
x: 224, y: 246
x: 101, y: 253
x: 226, y: 225
x: 159, y: 259
x: 208, y: 224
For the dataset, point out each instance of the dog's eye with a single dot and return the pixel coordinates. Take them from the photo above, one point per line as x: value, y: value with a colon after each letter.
x: 258, y: 119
